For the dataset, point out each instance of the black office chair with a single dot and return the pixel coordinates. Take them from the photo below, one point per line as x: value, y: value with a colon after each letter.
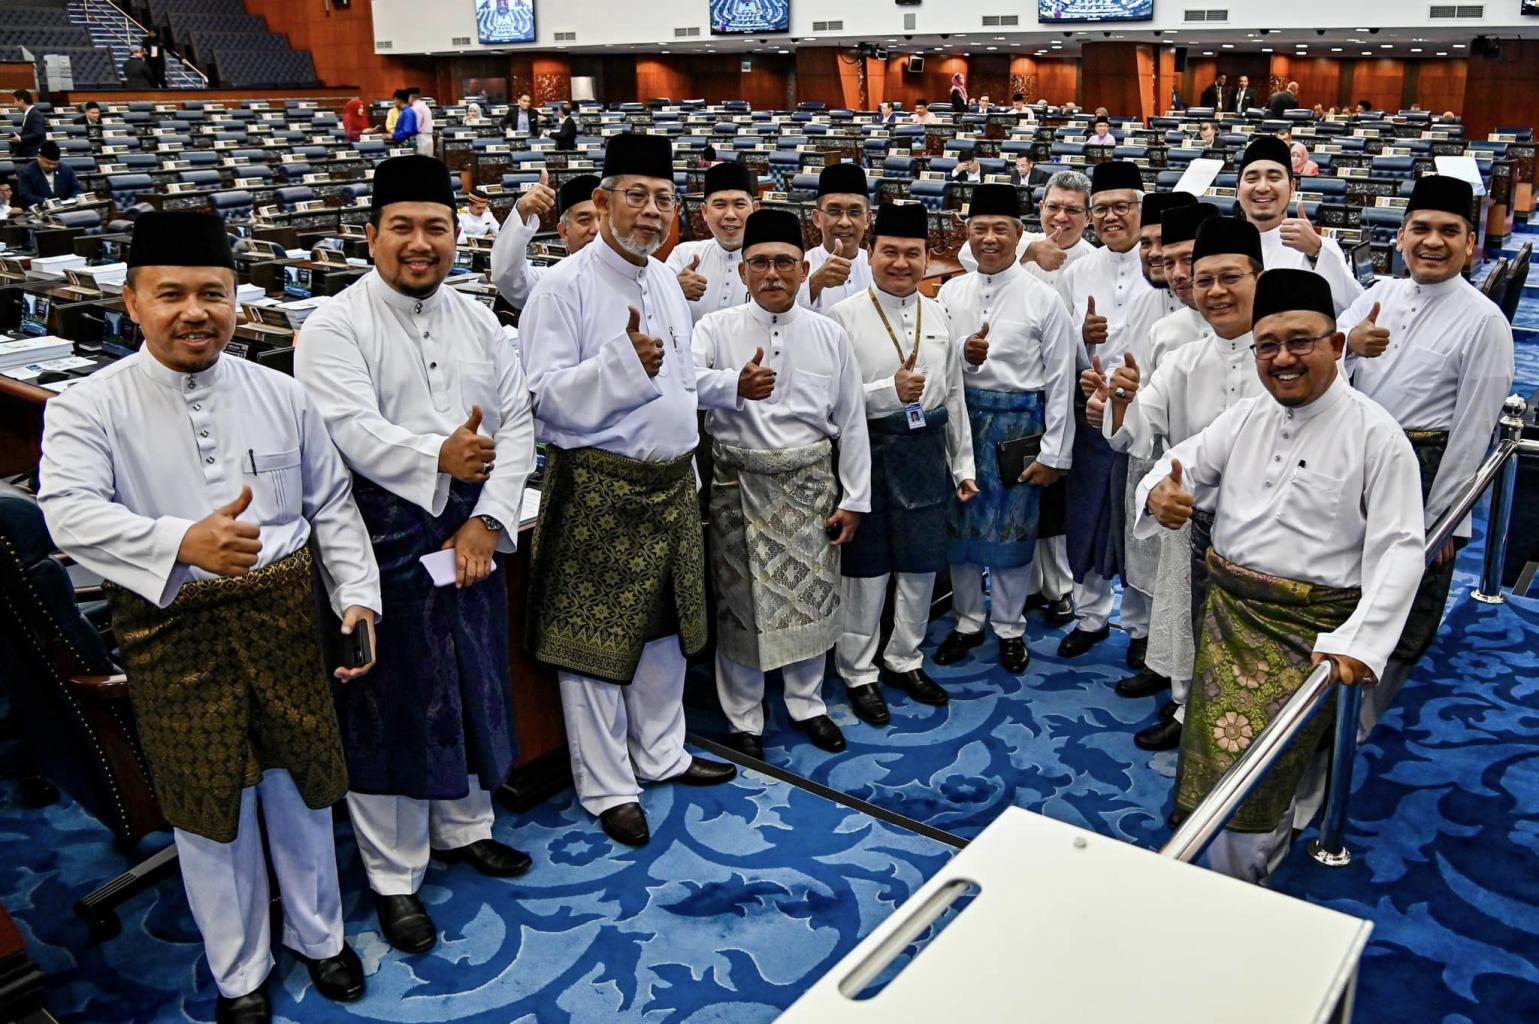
x: 1496, y: 281
x: 1517, y: 277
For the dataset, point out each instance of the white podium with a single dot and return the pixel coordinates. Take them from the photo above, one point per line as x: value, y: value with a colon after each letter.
x: 1070, y: 927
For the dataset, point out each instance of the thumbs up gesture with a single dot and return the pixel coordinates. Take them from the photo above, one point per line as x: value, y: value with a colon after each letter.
x: 1124, y: 380
x: 1095, y: 329
x: 220, y: 543
x: 1092, y: 384
x: 757, y: 380
x: 835, y: 270
x: 538, y: 201
x: 910, y: 385
x: 1169, y: 501
x: 1297, y: 233
x: 692, y: 281
x: 977, y: 348
x: 468, y: 454
x: 1368, y: 339
x: 648, y: 349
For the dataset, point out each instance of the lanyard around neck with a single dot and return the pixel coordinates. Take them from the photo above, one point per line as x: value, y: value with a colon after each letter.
x: 918, y: 325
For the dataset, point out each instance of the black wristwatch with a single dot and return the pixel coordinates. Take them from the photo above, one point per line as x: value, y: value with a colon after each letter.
x: 491, y: 523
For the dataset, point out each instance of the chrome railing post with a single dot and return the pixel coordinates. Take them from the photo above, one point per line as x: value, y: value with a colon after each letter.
x: 1511, y: 428
x: 1330, y: 848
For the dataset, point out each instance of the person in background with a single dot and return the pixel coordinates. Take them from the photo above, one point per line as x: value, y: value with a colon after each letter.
x: 707, y: 158
x: 1207, y: 134
x: 959, y: 93
x: 1216, y: 96
x: 576, y: 224
x: 405, y: 129
x: 1319, y: 111
x: 5, y: 198
x: 355, y: 119
x: 1244, y: 96
x: 1100, y: 134
x: 136, y: 70
x: 34, y: 127
x: 523, y: 118
x: 46, y: 178
x: 419, y: 107
x: 91, y: 117
x: 566, y: 132
x: 1303, y: 167
x: 923, y: 114
x: 154, y: 58
x: 967, y: 168
x: 1018, y: 104
x: 985, y: 105
x: 1286, y: 134
x: 885, y: 114
x: 1283, y: 100
x: 477, y: 221
x: 1364, y: 107
x: 473, y: 114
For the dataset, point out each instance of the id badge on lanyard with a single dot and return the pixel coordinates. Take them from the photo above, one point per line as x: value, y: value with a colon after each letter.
x: 915, y: 415
x: 914, y: 411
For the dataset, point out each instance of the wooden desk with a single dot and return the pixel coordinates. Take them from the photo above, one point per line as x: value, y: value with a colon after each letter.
x: 21, y: 425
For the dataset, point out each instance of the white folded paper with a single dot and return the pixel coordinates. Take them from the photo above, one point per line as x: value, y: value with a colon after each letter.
x: 440, y: 565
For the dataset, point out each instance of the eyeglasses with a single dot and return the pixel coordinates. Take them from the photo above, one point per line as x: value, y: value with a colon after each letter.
x: 840, y: 212
x: 1053, y: 209
x: 636, y: 199
x: 1172, y: 262
x: 1229, y: 280
x: 783, y: 264
x: 1266, y: 351
x: 1111, y: 210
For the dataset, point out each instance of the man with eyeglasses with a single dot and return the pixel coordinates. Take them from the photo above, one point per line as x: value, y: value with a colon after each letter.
x: 1100, y: 291
x: 1178, y: 236
x: 781, y: 385
x: 1438, y: 355
x: 576, y: 225
x: 1147, y: 412
x: 1288, y: 239
x: 1019, y: 378
x: 921, y: 457
x: 708, y: 268
x: 1065, y: 213
x: 840, y: 266
x: 1316, y: 554
x: 617, y: 580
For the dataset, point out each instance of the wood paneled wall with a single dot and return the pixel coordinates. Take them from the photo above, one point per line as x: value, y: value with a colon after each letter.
x: 341, y: 42
x: 1501, y: 92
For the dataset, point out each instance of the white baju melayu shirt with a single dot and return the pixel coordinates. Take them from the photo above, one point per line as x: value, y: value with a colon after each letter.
x: 512, y: 272
x: 1114, y: 280
x: 1171, y: 332
x: 137, y: 454
x: 395, y: 376
x: 818, y: 389
x: 484, y: 226
x: 1331, y: 264
x: 724, y: 287
x: 1032, y: 346
x: 1449, y: 366
x: 1191, y: 388
x: 1327, y: 493
x: 1072, y: 255
x: 940, y: 363
x: 590, y: 389
x: 1147, y: 309
x: 858, y: 281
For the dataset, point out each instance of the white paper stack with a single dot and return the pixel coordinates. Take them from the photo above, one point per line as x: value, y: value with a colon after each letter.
x: 22, y: 351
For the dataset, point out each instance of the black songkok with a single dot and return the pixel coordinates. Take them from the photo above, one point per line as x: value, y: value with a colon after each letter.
x: 1114, y: 175
x: 842, y: 179
x: 1220, y: 236
x: 1156, y: 203
x: 902, y: 220
x: 730, y: 176
x: 1287, y: 291
x: 576, y: 190
x: 994, y: 200
x: 1180, y: 224
x: 773, y: 226
x: 1267, y: 147
x: 180, y: 238
x: 1441, y: 192
x: 646, y: 156
x: 411, y: 179
x: 49, y: 150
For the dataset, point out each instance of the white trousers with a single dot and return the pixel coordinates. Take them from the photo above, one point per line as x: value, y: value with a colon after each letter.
x: 1135, y: 613
x: 862, y: 598
x: 397, y: 834
x: 424, y: 144
x: 741, y: 691
x: 1251, y: 856
x: 618, y: 735
x: 1180, y: 690
x: 1378, y: 698
x: 1007, y: 598
x: 227, y: 885
x: 1093, y: 602
x: 1050, y: 575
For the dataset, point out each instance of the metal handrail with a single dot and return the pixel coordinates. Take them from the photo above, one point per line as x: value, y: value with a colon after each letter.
x: 131, y: 40
x: 1210, y: 816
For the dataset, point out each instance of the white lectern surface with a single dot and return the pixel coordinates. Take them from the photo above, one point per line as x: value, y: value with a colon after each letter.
x: 1070, y: 927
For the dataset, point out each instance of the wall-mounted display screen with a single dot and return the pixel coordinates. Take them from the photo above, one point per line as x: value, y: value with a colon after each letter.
x: 1531, y: 7
x: 746, y: 17
x: 1095, y: 10
x: 504, y: 21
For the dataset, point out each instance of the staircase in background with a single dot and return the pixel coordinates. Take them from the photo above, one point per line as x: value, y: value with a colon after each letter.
x: 112, y: 28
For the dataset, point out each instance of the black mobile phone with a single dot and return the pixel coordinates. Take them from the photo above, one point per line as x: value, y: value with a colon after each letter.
x: 353, y: 650
x: 832, y: 531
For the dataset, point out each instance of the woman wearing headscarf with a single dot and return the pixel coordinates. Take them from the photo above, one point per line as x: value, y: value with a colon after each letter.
x: 473, y: 113
x: 355, y: 119
x: 958, y: 93
x: 1303, y: 167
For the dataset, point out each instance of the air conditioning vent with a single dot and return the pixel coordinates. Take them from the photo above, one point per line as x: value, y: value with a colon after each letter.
x: 910, y: 22
x: 383, y: 44
x: 1000, y: 20
x: 460, y: 40
x: 1449, y: 12
x: 828, y: 26
x: 566, y: 37
x: 1210, y: 15
x: 683, y: 33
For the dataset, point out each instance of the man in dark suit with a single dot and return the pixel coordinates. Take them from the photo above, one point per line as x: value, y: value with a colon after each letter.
x: 46, y: 178
x: 566, y: 132
x: 1244, y: 96
x: 1279, y: 102
x: 1216, y: 95
x: 155, y: 58
x: 886, y: 114
x: 523, y: 117
x: 34, y: 128
x: 136, y: 70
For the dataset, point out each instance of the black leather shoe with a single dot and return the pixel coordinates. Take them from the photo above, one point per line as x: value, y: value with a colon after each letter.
x: 488, y: 856
x: 1035, y: 601
x: 406, y: 923
x: 706, y: 773
x: 1081, y: 640
x: 822, y: 731
x: 1168, y: 710
x: 1144, y: 684
x: 747, y: 744
x: 338, y: 978
x: 869, y: 704
x: 1137, y: 648
x: 918, y: 685
x: 252, y: 1008
x: 1061, y: 610
x: 1013, y: 656
x: 955, y: 647
x: 626, y: 824
x: 1163, y: 735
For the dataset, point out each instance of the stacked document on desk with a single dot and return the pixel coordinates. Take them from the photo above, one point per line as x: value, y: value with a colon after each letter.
x: 32, y: 371
x: 55, y: 266
x: 22, y: 351
x: 246, y: 294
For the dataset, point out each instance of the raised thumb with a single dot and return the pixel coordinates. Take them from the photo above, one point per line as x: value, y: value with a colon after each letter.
x: 474, y: 423
x: 1090, y: 306
x: 1302, y: 214
x: 846, y: 248
x: 1175, y: 471
x: 236, y: 507
x: 758, y: 356
x: 544, y: 177
x: 1131, y: 363
x: 1373, y: 317
x: 908, y: 364
x: 983, y: 332
x: 694, y: 264
x: 1095, y: 362
x: 635, y: 324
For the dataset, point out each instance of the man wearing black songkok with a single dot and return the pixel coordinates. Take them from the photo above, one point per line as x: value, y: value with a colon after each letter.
x: 708, y: 267
x: 840, y: 267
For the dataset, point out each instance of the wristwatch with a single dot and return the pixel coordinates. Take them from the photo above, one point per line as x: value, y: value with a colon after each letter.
x: 491, y: 523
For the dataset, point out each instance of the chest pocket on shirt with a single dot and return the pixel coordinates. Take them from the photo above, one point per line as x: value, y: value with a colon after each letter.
x: 478, y: 386
x: 1312, y: 500
x: 277, y: 486
x: 808, y: 395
